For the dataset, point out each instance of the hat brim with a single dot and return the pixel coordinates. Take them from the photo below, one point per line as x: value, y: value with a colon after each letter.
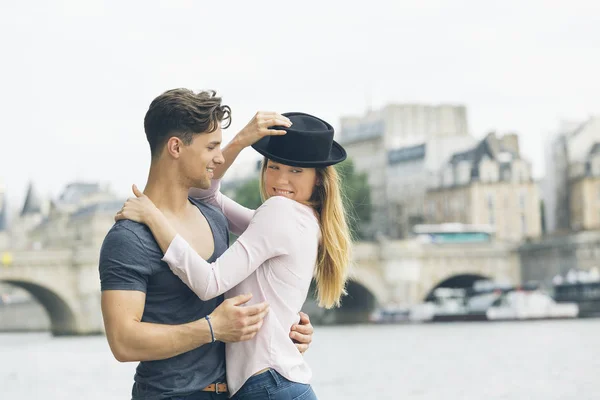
x: 336, y: 155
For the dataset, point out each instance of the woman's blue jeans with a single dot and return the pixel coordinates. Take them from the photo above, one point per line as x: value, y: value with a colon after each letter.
x: 270, y: 385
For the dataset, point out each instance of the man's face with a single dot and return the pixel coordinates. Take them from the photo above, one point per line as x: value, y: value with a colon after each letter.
x: 200, y: 157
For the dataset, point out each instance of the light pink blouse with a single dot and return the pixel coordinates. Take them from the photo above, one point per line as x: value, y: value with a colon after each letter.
x: 274, y: 259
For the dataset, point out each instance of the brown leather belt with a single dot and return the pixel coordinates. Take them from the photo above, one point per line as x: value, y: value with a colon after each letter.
x: 216, y: 387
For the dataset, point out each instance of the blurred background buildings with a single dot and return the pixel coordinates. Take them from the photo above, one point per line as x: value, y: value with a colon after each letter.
x: 437, y: 208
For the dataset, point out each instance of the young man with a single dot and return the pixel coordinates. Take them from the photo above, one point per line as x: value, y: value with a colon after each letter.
x: 150, y: 315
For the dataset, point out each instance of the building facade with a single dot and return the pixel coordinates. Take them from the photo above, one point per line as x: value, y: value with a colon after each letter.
x: 584, y: 186
x: 368, y: 140
x: 571, y: 184
x: 410, y: 171
x: 81, y: 216
x: 489, y: 184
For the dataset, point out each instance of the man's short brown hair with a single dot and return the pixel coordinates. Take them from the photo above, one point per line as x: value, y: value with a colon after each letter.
x: 183, y: 114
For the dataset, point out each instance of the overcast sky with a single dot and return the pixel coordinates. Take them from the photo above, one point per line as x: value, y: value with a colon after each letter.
x: 78, y: 76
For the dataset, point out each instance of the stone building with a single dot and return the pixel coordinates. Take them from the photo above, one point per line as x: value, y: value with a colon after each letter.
x: 488, y: 184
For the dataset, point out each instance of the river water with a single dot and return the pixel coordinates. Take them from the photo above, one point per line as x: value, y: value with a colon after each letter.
x: 546, y: 360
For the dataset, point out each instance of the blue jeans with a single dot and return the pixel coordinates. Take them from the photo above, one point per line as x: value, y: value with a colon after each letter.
x: 270, y: 385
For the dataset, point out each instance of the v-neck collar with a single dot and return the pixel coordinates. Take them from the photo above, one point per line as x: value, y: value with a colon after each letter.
x: 200, y: 205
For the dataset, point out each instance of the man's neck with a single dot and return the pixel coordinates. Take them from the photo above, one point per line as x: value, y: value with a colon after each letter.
x: 166, y: 191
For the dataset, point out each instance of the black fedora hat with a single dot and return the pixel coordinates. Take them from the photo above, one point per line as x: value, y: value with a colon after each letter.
x: 308, y: 143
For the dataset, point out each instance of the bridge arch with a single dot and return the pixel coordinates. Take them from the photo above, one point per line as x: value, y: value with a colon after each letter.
x: 371, y: 280
x: 358, y: 298
x: 355, y: 307
x: 60, y: 313
x: 458, y: 280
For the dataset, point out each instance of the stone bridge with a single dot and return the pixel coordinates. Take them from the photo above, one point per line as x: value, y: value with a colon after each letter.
x: 404, y: 273
x: 386, y: 273
x: 64, y: 282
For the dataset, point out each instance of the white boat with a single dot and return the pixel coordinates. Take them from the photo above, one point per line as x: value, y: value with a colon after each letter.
x: 389, y: 315
x: 524, y: 305
x: 423, y: 312
x: 448, y: 304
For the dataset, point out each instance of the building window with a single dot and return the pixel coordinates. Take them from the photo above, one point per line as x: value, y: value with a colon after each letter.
x: 446, y: 207
x: 522, y: 200
x: 456, y: 204
x: 432, y: 209
x: 596, y: 166
x: 490, y: 206
x: 523, y: 225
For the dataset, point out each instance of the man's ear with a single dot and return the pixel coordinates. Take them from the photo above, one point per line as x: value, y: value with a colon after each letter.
x: 174, y: 146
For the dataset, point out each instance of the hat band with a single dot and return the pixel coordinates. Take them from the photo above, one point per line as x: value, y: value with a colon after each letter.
x: 299, y: 150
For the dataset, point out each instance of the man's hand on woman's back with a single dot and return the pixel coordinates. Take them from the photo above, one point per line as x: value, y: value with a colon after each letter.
x: 234, y: 322
x: 302, y: 333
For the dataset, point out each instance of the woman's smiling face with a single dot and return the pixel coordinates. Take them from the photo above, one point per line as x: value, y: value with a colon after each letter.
x: 295, y: 183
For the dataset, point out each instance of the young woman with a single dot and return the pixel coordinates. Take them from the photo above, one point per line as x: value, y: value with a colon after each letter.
x: 298, y: 233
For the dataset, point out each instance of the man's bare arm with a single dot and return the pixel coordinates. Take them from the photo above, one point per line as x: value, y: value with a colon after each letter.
x: 133, y: 340
x: 130, y: 339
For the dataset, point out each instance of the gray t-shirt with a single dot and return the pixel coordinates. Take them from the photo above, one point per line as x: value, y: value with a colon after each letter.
x: 130, y: 259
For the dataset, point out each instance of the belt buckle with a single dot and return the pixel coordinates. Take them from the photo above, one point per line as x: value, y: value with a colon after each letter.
x: 217, y: 389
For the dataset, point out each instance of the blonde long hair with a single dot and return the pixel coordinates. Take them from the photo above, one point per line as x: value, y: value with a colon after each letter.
x: 334, y: 253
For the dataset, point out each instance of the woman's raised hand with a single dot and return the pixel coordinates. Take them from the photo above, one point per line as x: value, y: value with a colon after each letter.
x: 259, y: 125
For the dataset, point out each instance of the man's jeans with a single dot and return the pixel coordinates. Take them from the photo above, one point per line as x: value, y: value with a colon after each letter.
x: 270, y: 385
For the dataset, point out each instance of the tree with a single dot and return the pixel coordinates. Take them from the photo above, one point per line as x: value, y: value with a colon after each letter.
x: 248, y: 194
x: 357, y: 196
